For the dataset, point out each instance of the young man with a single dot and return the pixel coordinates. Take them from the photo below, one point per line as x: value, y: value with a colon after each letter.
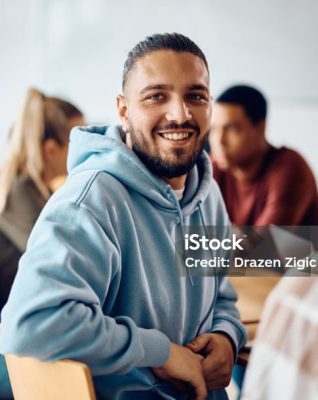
x: 98, y: 282
x: 261, y: 185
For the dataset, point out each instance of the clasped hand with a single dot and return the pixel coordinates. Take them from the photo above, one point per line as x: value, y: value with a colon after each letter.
x: 205, y: 363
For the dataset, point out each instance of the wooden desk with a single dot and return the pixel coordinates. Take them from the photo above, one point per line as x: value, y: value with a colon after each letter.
x: 252, y: 293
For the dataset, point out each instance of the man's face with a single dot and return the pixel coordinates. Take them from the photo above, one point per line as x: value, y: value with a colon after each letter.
x: 235, y: 140
x: 167, y: 110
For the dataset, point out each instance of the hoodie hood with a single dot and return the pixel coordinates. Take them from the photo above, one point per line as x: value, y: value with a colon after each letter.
x: 103, y: 148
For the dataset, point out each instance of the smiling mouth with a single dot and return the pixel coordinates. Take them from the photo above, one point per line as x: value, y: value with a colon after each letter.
x: 176, y: 136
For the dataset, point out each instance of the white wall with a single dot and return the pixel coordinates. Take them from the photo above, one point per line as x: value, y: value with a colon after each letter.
x: 76, y: 49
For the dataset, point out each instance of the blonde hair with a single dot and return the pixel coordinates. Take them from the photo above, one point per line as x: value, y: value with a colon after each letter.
x: 40, y: 118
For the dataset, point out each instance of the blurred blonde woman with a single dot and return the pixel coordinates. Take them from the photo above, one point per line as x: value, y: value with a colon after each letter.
x: 36, y: 154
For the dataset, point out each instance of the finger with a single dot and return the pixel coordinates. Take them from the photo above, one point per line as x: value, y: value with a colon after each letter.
x: 199, y: 387
x: 211, y: 364
x: 198, y: 343
x: 216, y: 375
x: 219, y: 383
x: 216, y: 360
x: 199, y: 357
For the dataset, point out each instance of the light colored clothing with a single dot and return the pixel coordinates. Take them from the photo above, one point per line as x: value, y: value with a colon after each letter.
x: 284, y: 361
x: 98, y: 282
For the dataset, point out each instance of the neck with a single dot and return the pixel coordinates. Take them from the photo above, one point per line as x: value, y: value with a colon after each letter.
x: 177, y: 182
x: 250, y: 169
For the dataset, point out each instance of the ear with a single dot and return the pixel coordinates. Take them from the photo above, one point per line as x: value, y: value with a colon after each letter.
x: 123, y: 111
x: 261, y: 125
x: 49, y: 149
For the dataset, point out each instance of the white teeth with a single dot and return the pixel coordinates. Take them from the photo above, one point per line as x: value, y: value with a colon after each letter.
x: 176, y: 136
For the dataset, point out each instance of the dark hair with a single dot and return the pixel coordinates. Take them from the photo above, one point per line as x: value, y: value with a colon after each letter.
x: 166, y: 41
x: 252, y: 100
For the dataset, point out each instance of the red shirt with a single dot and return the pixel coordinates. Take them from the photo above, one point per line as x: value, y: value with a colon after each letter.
x: 283, y: 193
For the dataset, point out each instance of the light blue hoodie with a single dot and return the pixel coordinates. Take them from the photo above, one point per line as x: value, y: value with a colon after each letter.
x: 98, y: 281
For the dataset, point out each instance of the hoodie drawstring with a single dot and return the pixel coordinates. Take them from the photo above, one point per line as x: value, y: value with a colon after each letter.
x: 182, y: 236
x: 199, y: 205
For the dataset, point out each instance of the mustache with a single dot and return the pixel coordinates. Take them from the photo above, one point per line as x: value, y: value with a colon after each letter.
x: 173, y: 125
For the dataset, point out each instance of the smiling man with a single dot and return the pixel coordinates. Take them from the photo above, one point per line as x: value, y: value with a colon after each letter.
x: 98, y: 282
x: 175, y: 110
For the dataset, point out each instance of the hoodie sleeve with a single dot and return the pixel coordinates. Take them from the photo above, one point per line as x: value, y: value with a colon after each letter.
x: 55, y: 306
x: 226, y: 316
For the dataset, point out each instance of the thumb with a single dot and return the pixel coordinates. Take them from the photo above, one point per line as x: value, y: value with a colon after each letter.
x: 198, y: 343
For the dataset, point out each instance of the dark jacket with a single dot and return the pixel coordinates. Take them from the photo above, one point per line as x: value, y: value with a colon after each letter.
x: 23, y: 207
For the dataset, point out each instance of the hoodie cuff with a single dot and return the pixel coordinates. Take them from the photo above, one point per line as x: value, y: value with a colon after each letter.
x: 238, y: 336
x: 156, y: 346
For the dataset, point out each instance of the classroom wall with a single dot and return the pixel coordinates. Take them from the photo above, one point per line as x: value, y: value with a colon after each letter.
x: 76, y: 49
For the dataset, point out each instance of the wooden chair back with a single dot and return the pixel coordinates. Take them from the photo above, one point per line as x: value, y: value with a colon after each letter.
x: 32, y: 379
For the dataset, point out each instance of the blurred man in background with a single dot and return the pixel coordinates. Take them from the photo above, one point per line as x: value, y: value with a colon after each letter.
x: 261, y: 184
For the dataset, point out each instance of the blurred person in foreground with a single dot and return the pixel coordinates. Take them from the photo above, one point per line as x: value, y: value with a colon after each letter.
x: 284, y: 360
x: 36, y: 154
x: 261, y: 185
x: 107, y: 290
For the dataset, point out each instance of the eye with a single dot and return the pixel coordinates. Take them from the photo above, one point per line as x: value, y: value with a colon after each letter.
x: 155, y: 97
x: 234, y: 129
x: 198, y: 97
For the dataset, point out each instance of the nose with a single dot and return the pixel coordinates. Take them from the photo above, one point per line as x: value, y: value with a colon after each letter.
x: 178, y: 111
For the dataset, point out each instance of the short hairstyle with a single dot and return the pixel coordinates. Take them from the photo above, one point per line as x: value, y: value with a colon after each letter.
x: 165, y: 41
x: 251, y: 99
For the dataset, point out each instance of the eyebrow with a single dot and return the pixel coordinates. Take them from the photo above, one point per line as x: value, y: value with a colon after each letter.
x: 159, y: 86
x: 156, y: 86
x: 199, y: 87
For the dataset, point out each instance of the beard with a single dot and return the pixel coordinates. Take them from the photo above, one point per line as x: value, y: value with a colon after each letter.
x: 179, y: 163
